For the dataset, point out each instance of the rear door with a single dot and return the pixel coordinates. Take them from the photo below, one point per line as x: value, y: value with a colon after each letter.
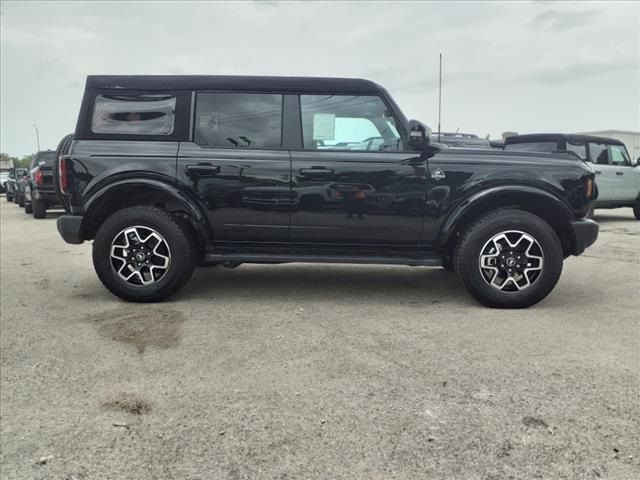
x: 237, y: 167
x: 352, y: 181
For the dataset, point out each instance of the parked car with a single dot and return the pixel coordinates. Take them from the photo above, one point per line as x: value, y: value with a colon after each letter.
x: 4, y: 177
x: 504, y: 220
x: 11, y: 184
x: 461, y: 140
x: 21, y: 182
x: 39, y: 192
x: 617, y: 176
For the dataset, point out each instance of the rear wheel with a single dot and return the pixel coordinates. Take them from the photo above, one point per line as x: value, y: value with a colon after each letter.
x: 39, y: 209
x: 28, y: 207
x: 509, y: 259
x: 9, y: 197
x: 143, y: 254
x: 636, y: 210
x: 20, y: 201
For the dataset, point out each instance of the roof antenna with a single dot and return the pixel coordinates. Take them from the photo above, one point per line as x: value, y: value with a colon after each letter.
x: 440, y: 97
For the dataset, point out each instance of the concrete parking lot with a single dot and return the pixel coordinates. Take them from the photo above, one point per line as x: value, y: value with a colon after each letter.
x: 316, y: 371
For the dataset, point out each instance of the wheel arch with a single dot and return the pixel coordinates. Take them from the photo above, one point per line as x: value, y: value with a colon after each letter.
x: 130, y: 192
x: 531, y: 199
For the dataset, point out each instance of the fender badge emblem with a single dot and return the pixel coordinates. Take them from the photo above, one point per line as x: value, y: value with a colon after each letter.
x: 438, y: 174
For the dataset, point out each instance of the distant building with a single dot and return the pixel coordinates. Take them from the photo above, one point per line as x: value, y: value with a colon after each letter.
x: 6, y: 164
x: 630, y: 139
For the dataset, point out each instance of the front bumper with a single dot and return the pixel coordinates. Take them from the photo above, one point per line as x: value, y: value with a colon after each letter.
x: 70, y: 228
x: 585, y: 233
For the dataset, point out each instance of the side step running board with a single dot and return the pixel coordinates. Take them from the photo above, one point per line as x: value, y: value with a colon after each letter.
x: 285, y: 258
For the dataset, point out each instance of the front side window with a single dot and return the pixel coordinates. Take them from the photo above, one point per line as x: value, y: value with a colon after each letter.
x: 598, y: 153
x: 239, y: 120
x: 619, y: 156
x: 348, y: 122
x: 134, y: 114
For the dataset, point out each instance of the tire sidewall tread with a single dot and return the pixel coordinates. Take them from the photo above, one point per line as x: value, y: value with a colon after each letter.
x: 474, y: 239
x: 178, y: 239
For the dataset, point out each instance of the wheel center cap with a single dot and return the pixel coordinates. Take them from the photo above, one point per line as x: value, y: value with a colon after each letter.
x: 510, y: 261
x: 140, y: 256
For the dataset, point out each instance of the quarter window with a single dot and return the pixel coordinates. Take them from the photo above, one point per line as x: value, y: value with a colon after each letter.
x: 239, y: 120
x: 348, y: 122
x: 134, y: 114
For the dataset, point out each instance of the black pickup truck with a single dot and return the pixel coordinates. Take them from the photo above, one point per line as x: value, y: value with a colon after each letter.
x: 39, y: 191
x: 165, y: 172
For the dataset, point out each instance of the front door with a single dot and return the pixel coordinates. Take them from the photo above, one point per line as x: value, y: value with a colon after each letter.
x: 237, y: 167
x: 352, y: 183
x: 610, y: 178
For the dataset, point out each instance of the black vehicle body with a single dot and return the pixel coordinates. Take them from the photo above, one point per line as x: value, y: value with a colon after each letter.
x: 617, y: 183
x: 39, y: 191
x: 11, y: 184
x: 291, y: 203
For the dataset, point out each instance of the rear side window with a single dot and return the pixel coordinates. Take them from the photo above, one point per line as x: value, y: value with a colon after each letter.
x: 544, y: 147
x: 134, y: 114
x: 580, y: 149
x: 599, y: 153
x: 239, y: 120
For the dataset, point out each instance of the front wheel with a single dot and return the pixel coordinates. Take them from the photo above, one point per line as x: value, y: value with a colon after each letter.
x: 9, y: 197
x: 636, y: 210
x: 20, y: 201
x: 28, y: 208
x: 143, y: 254
x: 509, y: 259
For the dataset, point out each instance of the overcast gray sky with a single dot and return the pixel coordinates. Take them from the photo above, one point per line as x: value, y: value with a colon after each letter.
x: 520, y: 66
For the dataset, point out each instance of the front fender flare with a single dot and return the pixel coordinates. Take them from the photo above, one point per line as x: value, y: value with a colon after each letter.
x: 477, y: 198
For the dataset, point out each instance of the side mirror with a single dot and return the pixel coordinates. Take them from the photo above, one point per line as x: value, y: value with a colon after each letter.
x: 419, y: 135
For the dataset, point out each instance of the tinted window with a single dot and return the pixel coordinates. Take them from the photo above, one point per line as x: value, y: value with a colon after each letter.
x: 580, y: 149
x: 134, y: 114
x: 347, y: 122
x: 545, y: 147
x: 598, y: 153
x: 619, y: 155
x: 239, y: 120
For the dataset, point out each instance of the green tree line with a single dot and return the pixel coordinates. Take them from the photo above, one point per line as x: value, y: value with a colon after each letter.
x: 24, y: 161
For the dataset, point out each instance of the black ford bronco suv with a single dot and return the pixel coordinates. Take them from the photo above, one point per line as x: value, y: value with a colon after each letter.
x: 167, y: 172
x: 39, y: 191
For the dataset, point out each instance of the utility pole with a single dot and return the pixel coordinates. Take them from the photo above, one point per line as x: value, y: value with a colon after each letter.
x: 440, y: 97
x: 37, y: 136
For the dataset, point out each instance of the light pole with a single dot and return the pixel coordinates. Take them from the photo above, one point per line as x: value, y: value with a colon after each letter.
x: 37, y: 135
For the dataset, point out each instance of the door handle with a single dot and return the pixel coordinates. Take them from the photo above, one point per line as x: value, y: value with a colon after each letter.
x: 316, y: 172
x: 619, y: 173
x: 598, y: 172
x: 203, y: 169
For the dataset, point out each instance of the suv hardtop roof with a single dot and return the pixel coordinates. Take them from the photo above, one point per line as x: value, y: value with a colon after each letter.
x: 225, y: 82
x: 572, y: 138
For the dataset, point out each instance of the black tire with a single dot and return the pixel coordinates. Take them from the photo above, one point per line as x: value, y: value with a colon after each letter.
x: 39, y: 209
x: 182, y: 253
x: 9, y: 197
x: 636, y: 210
x: 28, y: 208
x: 478, y: 236
x: 447, y: 264
x: 20, y: 201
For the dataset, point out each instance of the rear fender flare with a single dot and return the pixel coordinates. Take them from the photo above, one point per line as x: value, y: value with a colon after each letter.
x: 190, y: 205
